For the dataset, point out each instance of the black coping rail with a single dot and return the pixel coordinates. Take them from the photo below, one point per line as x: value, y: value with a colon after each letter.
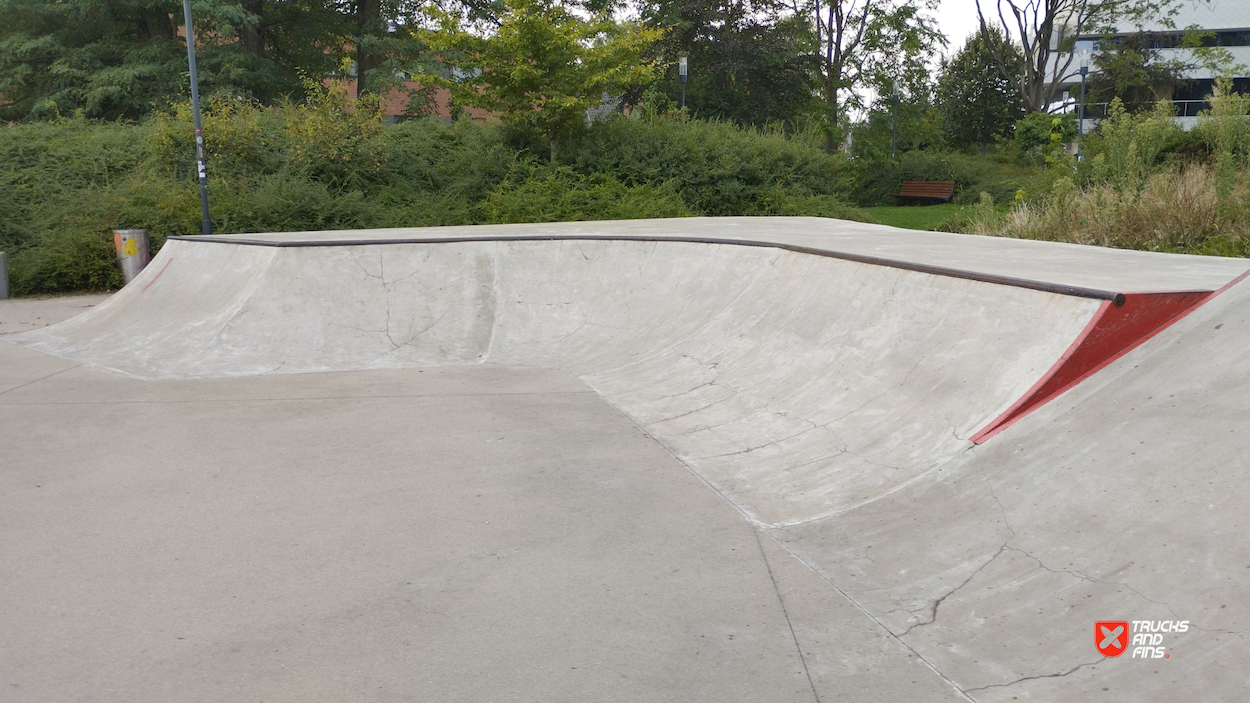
x: 1116, y: 299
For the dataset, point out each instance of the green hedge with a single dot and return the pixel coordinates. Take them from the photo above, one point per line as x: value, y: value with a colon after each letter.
x: 67, y: 184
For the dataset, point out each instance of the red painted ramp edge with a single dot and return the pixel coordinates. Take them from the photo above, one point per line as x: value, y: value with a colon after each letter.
x: 1110, y: 334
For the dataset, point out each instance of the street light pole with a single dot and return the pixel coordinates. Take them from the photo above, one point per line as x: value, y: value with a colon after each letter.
x: 894, y: 124
x: 206, y: 225
x: 681, y: 77
x: 1080, y: 110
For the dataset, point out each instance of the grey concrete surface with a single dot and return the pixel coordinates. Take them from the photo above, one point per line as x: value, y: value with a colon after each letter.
x: 452, y: 534
x: 825, y: 401
x: 1116, y: 270
x: 1125, y: 500
x: 22, y: 314
x: 737, y: 358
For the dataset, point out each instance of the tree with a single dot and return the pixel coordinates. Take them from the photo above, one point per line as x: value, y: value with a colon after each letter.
x: 751, y: 61
x: 542, y: 66
x: 122, y: 58
x: 1129, y: 68
x: 913, y: 126
x: 868, y: 44
x: 976, y: 102
x: 1044, y: 31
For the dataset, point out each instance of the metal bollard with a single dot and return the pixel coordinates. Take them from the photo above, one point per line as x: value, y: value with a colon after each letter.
x: 132, y: 251
x: 4, y: 277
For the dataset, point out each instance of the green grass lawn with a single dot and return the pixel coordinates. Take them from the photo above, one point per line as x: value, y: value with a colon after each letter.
x: 912, y: 216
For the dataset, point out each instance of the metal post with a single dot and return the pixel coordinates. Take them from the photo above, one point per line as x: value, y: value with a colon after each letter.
x: 894, y: 125
x: 4, y: 277
x: 206, y: 226
x: 681, y: 77
x: 1080, y: 110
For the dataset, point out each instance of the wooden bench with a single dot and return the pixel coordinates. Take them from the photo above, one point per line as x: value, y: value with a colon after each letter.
x: 939, y: 191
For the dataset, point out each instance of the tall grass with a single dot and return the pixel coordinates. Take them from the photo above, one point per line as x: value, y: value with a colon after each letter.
x: 1178, y: 210
x: 1137, y: 190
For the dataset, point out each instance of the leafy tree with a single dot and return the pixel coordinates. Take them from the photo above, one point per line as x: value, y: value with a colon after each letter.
x: 1044, y: 33
x: 1041, y: 132
x: 543, y: 65
x: 868, y: 44
x: 977, y: 103
x: 122, y: 58
x: 751, y: 61
x: 916, y: 125
x: 1129, y: 68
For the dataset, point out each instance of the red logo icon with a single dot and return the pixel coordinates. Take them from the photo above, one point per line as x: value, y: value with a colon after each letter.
x: 1111, y: 637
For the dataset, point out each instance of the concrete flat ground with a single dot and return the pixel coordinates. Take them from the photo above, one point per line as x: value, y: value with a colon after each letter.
x: 740, y: 459
x: 452, y: 534
x: 22, y: 314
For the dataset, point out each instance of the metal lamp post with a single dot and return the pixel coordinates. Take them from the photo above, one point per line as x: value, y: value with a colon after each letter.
x: 1080, y: 107
x: 681, y: 77
x: 894, y: 123
x: 206, y: 226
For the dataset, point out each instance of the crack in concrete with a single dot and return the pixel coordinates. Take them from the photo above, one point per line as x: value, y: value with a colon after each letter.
x: 408, y: 341
x: 1034, y: 678
x: 748, y: 450
x: 352, y: 252
x: 933, y: 608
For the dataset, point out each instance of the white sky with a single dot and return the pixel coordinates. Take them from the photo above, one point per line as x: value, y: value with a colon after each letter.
x: 956, y: 19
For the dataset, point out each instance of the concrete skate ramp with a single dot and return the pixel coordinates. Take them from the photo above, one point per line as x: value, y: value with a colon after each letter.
x: 801, y: 381
x: 1126, y: 499
x: 828, y: 378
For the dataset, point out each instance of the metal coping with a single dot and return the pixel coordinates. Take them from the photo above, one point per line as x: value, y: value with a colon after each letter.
x: 1116, y: 299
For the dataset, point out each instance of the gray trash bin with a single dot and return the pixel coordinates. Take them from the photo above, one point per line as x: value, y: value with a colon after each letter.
x: 132, y: 251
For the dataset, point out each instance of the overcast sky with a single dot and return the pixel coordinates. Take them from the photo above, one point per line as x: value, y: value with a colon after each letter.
x: 957, y: 19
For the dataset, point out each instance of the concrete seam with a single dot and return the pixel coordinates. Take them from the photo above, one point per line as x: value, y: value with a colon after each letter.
x: 757, y: 527
x: 37, y: 380
x: 785, y: 612
x: 280, y: 400
x: 872, y: 617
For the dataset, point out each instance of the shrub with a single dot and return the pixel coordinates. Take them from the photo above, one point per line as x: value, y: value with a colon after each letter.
x: 330, y: 165
x: 559, y: 195
x: 972, y: 175
x: 1043, y: 132
x: 717, y: 167
x: 71, y: 262
x: 1126, y: 148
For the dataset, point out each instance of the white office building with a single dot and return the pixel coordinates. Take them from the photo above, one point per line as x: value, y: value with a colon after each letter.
x: 1227, y: 21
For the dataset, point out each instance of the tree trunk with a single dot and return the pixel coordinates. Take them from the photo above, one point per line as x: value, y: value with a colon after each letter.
x: 158, y: 24
x: 253, y: 35
x: 366, y: 21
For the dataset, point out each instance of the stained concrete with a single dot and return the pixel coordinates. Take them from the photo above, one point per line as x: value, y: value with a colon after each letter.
x: 453, y: 534
x: 818, y: 404
x: 22, y: 314
x: 799, y: 385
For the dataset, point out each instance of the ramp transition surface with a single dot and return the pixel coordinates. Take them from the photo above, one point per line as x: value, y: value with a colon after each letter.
x: 832, y: 380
